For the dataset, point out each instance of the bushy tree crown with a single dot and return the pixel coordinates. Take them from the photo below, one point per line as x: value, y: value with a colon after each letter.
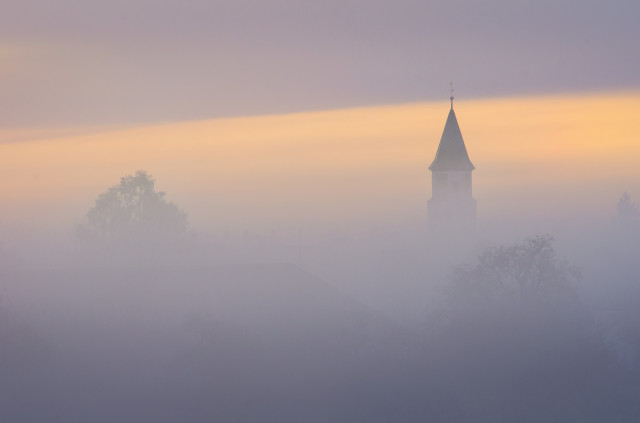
x: 134, y: 213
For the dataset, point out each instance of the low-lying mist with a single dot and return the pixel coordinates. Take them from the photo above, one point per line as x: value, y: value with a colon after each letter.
x: 513, y: 332
x: 318, y: 292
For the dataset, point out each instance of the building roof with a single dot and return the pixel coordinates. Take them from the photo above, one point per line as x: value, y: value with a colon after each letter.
x: 452, y: 153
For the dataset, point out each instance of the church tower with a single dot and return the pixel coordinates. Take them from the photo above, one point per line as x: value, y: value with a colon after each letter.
x: 451, y: 207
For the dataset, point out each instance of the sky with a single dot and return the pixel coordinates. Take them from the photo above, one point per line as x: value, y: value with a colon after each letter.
x: 316, y: 112
x: 561, y: 156
x: 75, y: 63
x: 297, y: 135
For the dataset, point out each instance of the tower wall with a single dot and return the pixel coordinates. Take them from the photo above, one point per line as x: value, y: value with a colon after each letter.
x: 451, y: 204
x: 450, y: 184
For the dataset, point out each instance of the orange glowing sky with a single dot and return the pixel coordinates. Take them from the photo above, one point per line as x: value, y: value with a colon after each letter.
x: 533, y: 155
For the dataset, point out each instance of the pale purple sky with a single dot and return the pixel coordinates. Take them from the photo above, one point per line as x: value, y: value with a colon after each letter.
x: 79, y: 62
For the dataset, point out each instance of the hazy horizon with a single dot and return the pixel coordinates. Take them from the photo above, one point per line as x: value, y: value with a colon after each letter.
x: 222, y: 210
x: 352, y: 166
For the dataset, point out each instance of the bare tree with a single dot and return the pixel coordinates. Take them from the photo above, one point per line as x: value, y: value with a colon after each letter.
x: 517, y: 343
x: 515, y: 275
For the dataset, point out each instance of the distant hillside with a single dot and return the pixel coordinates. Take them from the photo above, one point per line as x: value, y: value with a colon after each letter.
x: 276, y: 293
x: 153, y: 343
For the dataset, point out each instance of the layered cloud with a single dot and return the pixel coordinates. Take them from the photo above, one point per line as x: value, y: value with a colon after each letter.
x: 153, y: 61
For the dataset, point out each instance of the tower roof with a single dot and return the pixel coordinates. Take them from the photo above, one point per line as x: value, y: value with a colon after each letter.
x: 452, y: 153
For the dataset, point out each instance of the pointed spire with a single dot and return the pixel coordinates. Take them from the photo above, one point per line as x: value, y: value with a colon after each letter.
x: 452, y: 153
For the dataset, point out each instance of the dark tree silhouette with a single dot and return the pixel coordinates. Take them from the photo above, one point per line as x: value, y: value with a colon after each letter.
x: 134, y: 214
x: 517, y: 342
x: 515, y: 275
x: 627, y: 210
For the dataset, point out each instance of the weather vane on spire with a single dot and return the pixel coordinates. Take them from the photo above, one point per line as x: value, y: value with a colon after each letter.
x: 451, y: 98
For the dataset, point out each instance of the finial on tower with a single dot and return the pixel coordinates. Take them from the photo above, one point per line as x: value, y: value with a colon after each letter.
x: 451, y: 98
